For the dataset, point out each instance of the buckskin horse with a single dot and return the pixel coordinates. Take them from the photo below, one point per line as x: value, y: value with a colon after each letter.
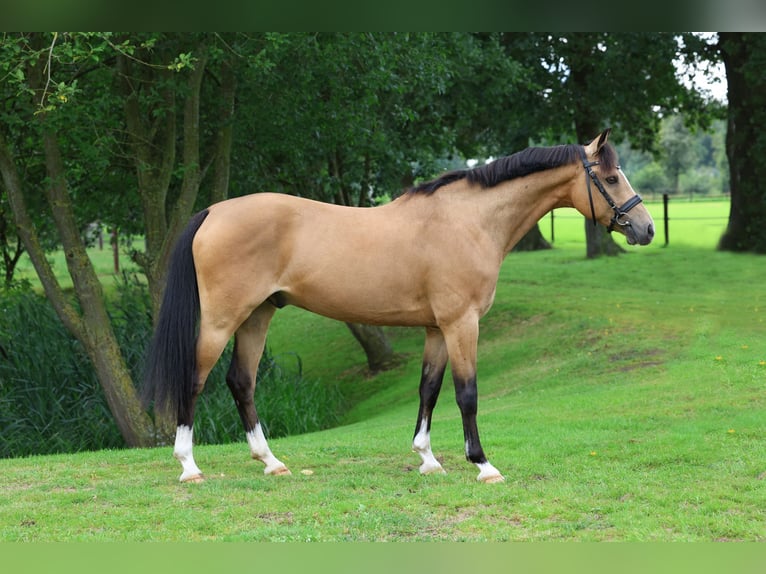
x: 429, y: 258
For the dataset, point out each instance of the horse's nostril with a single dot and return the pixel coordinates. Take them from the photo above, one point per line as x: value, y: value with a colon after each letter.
x: 650, y: 231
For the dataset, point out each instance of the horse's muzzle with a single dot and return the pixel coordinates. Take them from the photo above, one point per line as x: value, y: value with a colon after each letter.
x: 639, y: 237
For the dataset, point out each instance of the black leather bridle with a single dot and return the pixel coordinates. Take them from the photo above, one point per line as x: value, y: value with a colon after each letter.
x: 619, y: 212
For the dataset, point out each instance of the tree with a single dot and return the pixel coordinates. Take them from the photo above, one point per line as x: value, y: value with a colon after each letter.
x: 744, y: 57
x: 34, y: 56
x: 678, y: 150
x: 336, y: 127
x: 690, y: 161
x: 66, y: 110
x: 178, y: 93
x: 11, y: 245
x: 625, y: 80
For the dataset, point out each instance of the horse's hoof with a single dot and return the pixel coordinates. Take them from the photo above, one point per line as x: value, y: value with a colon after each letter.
x: 491, y: 479
x: 278, y: 471
x: 193, y: 479
x: 431, y: 469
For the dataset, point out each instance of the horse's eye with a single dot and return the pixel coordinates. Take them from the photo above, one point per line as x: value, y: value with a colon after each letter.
x: 612, y: 179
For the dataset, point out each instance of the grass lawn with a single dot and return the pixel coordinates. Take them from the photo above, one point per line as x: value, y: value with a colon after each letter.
x: 103, y: 258
x: 623, y: 398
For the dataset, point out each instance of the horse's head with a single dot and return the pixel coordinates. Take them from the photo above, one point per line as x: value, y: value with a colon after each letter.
x: 615, y: 205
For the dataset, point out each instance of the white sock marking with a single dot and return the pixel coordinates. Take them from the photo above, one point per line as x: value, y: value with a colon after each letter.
x: 182, y: 451
x: 488, y: 473
x: 260, y: 450
x: 421, y: 444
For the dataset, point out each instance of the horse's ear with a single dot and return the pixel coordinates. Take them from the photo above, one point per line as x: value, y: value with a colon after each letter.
x: 603, y: 137
x: 593, y: 147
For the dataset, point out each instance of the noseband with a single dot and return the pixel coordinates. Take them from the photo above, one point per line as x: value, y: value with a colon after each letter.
x: 619, y: 212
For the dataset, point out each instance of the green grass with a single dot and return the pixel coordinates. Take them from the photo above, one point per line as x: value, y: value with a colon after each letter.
x: 103, y: 263
x: 623, y: 398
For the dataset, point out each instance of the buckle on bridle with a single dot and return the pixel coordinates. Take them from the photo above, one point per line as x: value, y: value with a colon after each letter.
x: 623, y: 210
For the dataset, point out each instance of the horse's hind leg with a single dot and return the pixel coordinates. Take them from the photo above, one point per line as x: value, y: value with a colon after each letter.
x: 210, y: 345
x: 249, y: 341
x: 434, y: 364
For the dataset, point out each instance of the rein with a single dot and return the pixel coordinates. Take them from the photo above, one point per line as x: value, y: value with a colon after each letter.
x: 618, y: 211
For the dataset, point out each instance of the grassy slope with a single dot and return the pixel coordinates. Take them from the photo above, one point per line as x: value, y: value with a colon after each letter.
x: 623, y: 398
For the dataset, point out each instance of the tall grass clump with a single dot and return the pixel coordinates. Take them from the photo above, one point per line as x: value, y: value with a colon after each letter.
x: 51, y: 400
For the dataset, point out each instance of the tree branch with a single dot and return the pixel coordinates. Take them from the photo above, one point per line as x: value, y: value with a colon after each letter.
x: 28, y: 234
x: 191, y: 154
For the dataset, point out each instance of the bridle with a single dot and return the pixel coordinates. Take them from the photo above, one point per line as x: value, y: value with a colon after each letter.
x: 619, y: 212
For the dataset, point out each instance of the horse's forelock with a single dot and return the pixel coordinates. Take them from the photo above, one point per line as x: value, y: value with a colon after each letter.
x: 607, y: 158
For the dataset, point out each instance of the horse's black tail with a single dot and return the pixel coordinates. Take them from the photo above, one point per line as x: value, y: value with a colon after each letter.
x: 171, y: 363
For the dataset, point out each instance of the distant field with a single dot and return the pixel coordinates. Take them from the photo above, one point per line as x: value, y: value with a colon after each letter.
x: 102, y: 258
x: 698, y: 223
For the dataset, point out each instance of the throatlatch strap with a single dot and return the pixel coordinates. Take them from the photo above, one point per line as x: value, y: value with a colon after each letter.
x: 588, y: 175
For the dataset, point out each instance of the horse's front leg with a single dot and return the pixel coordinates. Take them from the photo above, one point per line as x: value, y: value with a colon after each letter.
x: 462, y: 342
x: 434, y: 364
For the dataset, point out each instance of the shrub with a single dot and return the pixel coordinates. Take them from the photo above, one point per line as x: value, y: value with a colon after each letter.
x: 701, y: 181
x: 650, y: 179
x: 50, y: 399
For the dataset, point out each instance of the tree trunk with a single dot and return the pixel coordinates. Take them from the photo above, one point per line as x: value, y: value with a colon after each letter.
x: 533, y: 240
x: 11, y: 254
x: 743, y: 56
x: 153, y: 143
x: 153, y: 139
x: 598, y: 241
x: 91, y: 325
x: 224, y: 135
x: 380, y: 354
x: 152, y: 149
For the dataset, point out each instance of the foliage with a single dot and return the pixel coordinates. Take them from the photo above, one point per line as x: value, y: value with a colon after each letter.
x: 352, y: 120
x: 688, y: 162
x: 650, y: 181
x: 593, y: 80
x: 51, y: 401
x: 50, y: 398
x: 78, y: 107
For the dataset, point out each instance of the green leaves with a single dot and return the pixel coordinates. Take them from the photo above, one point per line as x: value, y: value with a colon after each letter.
x: 182, y: 62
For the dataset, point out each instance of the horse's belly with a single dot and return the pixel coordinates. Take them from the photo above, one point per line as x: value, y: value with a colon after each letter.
x: 359, y: 304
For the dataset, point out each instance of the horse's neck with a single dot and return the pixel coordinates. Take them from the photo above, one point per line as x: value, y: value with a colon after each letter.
x: 509, y: 210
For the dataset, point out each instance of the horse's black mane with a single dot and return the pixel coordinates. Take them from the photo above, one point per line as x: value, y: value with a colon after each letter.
x: 525, y: 162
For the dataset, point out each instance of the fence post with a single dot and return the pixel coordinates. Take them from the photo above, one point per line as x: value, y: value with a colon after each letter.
x: 116, y: 249
x: 665, y: 216
x: 553, y: 237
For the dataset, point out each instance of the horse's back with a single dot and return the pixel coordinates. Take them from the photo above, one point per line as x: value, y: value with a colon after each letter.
x: 346, y: 263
